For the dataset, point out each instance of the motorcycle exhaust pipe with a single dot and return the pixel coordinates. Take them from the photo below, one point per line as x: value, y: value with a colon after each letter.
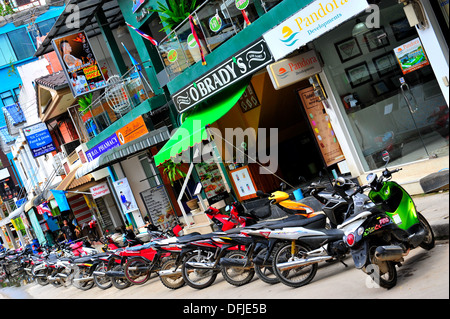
x: 192, y: 264
x: 83, y: 279
x: 116, y: 274
x: 169, y: 273
x: 389, y: 253
x: 302, y: 262
x: 99, y: 273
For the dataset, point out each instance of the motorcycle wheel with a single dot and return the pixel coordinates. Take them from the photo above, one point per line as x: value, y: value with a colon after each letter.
x: 298, y: 276
x: 383, y: 273
x: 266, y: 273
x: 428, y: 242
x: 119, y: 283
x: 237, y: 276
x: 80, y: 273
x: 137, y: 271
x: 198, y: 278
x: 102, y: 282
x: 43, y: 281
x: 173, y: 282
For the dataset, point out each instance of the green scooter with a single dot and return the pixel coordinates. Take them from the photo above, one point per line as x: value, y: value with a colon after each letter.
x: 380, y: 236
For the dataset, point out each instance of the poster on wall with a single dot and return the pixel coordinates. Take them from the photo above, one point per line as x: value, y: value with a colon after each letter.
x: 39, y: 139
x: 212, y: 181
x: 159, y: 207
x: 243, y: 183
x: 82, y: 70
x: 125, y: 195
x: 323, y: 130
x: 411, y: 56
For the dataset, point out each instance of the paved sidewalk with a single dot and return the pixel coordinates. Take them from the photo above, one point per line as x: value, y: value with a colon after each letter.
x: 435, y: 208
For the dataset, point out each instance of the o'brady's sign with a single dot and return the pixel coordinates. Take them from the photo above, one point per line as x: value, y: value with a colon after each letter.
x: 246, y: 62
x: 310, y: 23
x: 289, y: 71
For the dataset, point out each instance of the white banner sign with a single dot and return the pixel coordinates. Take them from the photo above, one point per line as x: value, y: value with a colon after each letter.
x: 310, y: 23
x: 99, y: 190
x: 125, y: 195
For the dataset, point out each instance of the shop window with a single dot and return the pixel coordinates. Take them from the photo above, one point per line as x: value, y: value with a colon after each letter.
x: 392, y: 100
x: 21, y: 43
x: 7, y: 98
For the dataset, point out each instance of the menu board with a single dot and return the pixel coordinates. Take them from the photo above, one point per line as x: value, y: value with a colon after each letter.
x: 243, y: 183
x: 159, y: 207
x: 212, y: 182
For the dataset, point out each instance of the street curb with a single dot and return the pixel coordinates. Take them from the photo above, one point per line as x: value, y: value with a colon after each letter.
x: 440, y: 230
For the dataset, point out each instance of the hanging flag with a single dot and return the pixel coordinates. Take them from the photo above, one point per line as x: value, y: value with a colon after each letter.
x: 191, y: 22
x: 146, y: 36
x: 43, y: 208
x: 61, y: 200
x: 133, y: 60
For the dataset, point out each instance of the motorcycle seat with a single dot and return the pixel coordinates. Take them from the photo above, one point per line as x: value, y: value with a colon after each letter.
x: 317, y: 221
x: 194, y: 238
x: 140, y: 247
x: 82, y: 259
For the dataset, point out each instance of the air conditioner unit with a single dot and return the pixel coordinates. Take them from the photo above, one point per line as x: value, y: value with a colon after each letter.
x: 57, y: 164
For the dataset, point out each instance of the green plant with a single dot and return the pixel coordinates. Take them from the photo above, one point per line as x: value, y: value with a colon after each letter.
x: 6, y: 9
x: 173, y: 14
x: 172, y: 170
x: 84, y: 102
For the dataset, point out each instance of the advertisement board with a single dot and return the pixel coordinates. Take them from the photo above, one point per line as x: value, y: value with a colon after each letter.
x: 39, y: 139
x: 411, y: 56
x: 125, y: 195
x: 78, y: 61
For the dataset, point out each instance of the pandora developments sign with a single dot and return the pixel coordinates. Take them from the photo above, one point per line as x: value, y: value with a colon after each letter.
x: 237, y: 67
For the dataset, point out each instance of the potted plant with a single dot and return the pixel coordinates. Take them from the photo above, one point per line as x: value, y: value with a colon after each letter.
x: 174, y: 173
x: 85, y: 102
x: 175, y: 13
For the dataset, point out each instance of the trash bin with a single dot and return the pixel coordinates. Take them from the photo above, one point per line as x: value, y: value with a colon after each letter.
x: 298, y: 194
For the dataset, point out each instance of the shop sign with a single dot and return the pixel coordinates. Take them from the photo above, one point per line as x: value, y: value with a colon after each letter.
x: 411, y: 56
x: 125, y: 195
x: 137, y: 4
x: 237, y: 67
x: 158, y: 206
x: 39, y: 139
x: 132, y: 130
x: 215, y: 23
x: 108, y: 144
x: 295, y: 69
x: 78, y: 61
x: 242, y: 4
x: 99, y: 190
x: 309, y: 23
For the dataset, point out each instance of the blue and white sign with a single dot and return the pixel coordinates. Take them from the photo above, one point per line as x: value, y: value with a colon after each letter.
x: 108, y: 144
x: 39, y: 139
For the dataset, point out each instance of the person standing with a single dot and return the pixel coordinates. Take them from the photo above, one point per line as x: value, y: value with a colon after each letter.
x: 68, y: 231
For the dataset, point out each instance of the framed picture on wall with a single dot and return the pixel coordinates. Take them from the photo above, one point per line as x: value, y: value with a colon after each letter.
x: 348, y: 49
x: 358, y: 74
x: 385, y: 63
x: 402, y: 29
x: 380, y: 87
x: 376, y: 39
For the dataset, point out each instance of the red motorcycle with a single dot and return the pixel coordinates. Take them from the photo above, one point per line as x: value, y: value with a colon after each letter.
x: 237, y: 218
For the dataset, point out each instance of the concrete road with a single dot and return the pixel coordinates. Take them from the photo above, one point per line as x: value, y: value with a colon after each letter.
x: 424, y: 275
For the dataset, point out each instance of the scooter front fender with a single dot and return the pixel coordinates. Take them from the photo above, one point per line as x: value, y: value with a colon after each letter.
x: 360, y: 254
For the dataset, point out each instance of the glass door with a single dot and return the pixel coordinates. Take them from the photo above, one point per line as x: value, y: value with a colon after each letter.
x: 386, y: 89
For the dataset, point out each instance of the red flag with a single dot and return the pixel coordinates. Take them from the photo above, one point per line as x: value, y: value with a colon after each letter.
x: 142, y: 34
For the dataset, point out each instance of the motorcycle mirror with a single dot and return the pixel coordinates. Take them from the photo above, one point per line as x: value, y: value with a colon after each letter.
x: 283, y: 186
x: 227, y: 208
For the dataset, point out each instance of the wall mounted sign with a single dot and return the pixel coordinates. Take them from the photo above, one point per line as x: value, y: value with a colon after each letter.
x: 246, y: 62
x: 158, y: 206
x: 321, y: 126
x: 79, y: 63
x: 39, y: 139
x: 99, y: 190
x: 295, y: 69
x: 125, y: 195
x: 310, y: 23
x: 243, y: 183
x: 132, y: 130
x: 411, y: 56
x: 108, y: 144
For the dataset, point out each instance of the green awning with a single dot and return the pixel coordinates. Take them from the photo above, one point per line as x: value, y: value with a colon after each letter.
x: 193, y: 130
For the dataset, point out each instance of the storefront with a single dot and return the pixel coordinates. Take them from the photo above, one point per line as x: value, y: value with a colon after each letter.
x: 382, y: 89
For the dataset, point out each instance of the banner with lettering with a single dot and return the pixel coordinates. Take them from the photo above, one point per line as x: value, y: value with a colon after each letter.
x: 77, y: 58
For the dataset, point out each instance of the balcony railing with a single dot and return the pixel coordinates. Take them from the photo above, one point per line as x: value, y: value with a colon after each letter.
x: 120, y: 96
x: 216, y: 21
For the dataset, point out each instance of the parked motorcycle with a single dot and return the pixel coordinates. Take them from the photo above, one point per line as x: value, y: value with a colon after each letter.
x: 380, y: 237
